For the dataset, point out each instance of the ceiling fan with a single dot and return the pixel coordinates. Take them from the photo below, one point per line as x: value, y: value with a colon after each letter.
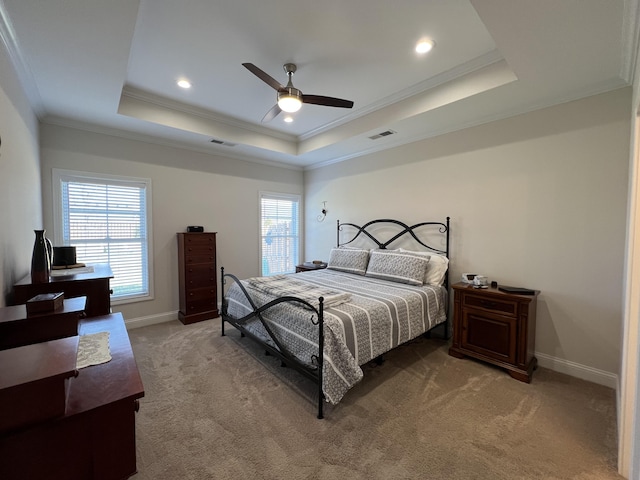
x: 289, y: 98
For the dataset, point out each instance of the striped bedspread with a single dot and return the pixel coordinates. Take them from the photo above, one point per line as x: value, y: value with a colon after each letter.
x: 378, y: 316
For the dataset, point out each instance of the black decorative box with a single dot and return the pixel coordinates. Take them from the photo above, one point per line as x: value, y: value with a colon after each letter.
x: 45, y: 302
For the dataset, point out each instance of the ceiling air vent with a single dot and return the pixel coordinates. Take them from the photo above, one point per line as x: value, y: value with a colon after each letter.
x: 386, y: 133
x: 222, y: 142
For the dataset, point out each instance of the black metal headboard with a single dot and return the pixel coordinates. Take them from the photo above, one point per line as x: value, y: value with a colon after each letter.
x: 406, y: 230
x: 365, y: 230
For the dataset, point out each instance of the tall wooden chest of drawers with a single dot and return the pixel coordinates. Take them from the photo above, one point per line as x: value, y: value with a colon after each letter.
x: 197, y: 273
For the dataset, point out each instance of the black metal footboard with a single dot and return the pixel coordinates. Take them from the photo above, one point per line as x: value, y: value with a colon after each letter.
x: 313, y: 370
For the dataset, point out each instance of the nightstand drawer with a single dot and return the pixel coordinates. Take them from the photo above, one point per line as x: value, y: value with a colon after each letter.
x: 504, y: 307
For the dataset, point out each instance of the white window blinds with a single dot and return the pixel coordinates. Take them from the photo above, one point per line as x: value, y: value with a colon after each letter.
x: 106, y: 219
x: 280, y: 233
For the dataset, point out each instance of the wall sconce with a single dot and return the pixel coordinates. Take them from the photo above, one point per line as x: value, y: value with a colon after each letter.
x: 322, y: 216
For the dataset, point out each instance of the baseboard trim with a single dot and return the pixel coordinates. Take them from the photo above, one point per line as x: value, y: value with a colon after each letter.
x: 150, y: 320
x: 578, y: 370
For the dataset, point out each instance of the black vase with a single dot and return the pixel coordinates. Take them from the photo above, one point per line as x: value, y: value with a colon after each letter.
x: 40, y: 262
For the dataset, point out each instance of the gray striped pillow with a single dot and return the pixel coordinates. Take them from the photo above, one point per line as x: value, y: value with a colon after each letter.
x: 397, y: 267
x: 349, y: 260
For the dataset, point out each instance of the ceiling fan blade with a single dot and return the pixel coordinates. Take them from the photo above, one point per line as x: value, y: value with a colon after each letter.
x: 271, y: 114
x: 327, y: 101
x: 265, y: 77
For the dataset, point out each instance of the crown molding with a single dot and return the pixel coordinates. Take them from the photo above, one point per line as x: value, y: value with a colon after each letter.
x: 630, y: 40
x: 169, y: 104
x: 25, y: 76
x: 210, y: 149
x: 577, y: 95
x: 421, y: 87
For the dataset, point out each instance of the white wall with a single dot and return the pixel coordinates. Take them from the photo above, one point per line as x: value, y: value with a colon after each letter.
x: 538, y: 200
x: 189, y: 188
x: 20, y: 196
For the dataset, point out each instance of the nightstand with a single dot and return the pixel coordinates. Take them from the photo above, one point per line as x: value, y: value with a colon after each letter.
x: 495, y: 327
x: 309, y: 266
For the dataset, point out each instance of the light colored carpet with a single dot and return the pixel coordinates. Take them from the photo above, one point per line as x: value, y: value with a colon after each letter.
x: 217, y: 408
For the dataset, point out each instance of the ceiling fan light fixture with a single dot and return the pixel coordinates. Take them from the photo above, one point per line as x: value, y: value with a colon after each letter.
x: 289, y: 103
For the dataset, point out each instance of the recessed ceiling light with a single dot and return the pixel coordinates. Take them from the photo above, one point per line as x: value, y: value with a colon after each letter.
x: 184, y: 83
x: 425, y: 45
x: 288, y: 119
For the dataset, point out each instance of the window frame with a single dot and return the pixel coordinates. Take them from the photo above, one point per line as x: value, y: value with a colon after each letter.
x: 293, y: 197
x: 60, y: 175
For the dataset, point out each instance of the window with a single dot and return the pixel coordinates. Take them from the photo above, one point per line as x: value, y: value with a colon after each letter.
x: 279, y: 233
x: 107, y: 219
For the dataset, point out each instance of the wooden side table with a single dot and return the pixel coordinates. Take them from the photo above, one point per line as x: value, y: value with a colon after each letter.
x: 308, y: 267
x: 93, y: 285
x: 496, y: 327
x: 17, y: 328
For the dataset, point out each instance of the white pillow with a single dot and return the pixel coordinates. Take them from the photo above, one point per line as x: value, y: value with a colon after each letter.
x: 436, y: 269
x: 349, y: 260
x: 397, y: 267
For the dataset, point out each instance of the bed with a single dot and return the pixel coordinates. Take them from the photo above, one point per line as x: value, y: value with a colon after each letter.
x: 372, y: 297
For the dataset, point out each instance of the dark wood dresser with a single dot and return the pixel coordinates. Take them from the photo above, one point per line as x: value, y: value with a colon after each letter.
x: 18, y: 328
x: 93, y: 436
x: 496, y: 327
x: 94, y: 285
x: 197, y: 276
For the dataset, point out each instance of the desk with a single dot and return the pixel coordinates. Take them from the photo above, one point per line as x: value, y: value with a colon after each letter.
x: 18, y: 329
x: 95, y: 438
x: 93, y: 285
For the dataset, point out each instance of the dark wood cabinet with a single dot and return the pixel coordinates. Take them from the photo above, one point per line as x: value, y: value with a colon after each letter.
x: 18, y: 328
x: 197, y: 276
x: 496, y: 327
x: 93, y: 437
x: 94, y: 285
